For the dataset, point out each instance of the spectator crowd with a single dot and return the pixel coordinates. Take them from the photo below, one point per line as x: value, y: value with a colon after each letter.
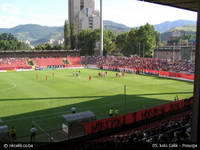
x: 10, y: 62
x: 142, y: 63
x: 174, y: 130
x: 113, y: 61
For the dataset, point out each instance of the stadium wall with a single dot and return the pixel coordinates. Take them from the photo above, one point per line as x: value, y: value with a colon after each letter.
x: 75, y: 62
x: 119, y: 121
x: 92, y: 67
x: 152, y: 72
x: 20, y: 70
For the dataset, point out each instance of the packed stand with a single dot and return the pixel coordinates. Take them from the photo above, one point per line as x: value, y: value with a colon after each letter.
x: 111, y: 61
x: 13, y: 63
x: 176, y: 129
x: 172, y: 130
x: 10, y: 63
x: 142, y: 63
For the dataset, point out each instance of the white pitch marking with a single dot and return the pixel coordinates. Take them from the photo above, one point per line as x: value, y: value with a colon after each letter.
x: 7, y: 89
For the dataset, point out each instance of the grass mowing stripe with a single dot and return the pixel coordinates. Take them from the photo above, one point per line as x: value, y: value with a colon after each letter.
x: 45, y: 101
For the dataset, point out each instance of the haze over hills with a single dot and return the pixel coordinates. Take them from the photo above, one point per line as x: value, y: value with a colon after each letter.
x: 168, y: 25
x: 162, y: 27
x: 186, y: 28
x: 117, y: 27
x: 37, y: 34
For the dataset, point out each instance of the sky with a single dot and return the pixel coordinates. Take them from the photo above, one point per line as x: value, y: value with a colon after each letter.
x: 131, y: 13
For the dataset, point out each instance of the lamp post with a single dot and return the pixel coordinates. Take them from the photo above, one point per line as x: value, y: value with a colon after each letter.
x: 101, y: 27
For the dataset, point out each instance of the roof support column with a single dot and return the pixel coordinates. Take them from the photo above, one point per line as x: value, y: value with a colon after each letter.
x: 195, y: 113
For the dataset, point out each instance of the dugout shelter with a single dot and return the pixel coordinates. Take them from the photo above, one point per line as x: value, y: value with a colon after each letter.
x: 73, y: 124
x: 4, y: 134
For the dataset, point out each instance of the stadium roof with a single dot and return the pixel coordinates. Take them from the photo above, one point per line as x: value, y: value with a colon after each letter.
x: 79, y: 116
x: 183, y: 4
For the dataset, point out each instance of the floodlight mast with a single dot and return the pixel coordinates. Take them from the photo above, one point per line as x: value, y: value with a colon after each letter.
x: 101, y: 27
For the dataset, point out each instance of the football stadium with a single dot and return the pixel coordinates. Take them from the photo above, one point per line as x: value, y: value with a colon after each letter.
x: 43, y: 93
x: 62, y: 97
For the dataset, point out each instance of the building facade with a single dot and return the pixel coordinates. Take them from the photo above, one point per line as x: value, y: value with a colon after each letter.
x: 176, y: 53
x: 82, y: 15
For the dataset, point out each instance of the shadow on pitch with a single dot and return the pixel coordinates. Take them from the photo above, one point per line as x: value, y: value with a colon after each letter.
x: 51, y: 118
x: 75, y: 97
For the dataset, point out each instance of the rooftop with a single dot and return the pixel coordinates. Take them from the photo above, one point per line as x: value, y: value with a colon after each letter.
x: 191, y: 5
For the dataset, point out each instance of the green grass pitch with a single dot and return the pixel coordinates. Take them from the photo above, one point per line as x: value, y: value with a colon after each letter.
x: 24, y: 99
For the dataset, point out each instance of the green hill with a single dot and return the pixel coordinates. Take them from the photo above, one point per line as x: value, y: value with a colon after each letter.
x: 37, y: 34
x: 183, y: 30
x: 187, y: 28
x: 168, y: 25
x: 116, y: 27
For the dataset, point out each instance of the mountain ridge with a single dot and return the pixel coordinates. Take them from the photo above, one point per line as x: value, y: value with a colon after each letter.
x: 168, y: 25
x: 38, y: 34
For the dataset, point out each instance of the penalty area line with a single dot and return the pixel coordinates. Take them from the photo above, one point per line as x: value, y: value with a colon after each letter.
x: 7, y: 89
x: 45, y: 132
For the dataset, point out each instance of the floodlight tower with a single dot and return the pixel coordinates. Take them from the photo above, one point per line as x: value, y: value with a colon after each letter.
x: 101, y: 27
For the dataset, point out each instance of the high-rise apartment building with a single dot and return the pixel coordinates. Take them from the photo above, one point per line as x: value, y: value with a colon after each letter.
x: 82, y: 14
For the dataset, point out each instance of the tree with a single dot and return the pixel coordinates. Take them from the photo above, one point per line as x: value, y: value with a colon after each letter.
x: 66, y: 36
x: 48, y: 46
x: 87, y: 41
x: 138, y: 41
x: 73, y: 36
x: 89, y: 38
x: 147, y: 37
x: 157, y: 38
x: 109, y: 42
x: 9, y: 42
x: 7, y: 37
x: 121, y: 41
x: 132, y: 43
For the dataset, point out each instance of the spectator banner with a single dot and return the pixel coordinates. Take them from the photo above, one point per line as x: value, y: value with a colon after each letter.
x: 74, y: 60
x: 92, y: 66
x: 153, y: 72
x: 115, y: 122
x: 73, y: 66
x: 101, y: 125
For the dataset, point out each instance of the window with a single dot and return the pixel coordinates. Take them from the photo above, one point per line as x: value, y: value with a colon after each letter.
x: 81, y: 4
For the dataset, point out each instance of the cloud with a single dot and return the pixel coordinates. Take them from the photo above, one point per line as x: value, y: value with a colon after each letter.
x: 11, y: 16
x: 42, y: 19
x: 11, y: 21
x: 129, y: 12
x: 136, y: 13
x: 7, y: 8
x: 46, y: 19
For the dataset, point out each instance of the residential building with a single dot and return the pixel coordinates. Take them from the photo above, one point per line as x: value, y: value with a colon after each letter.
x: 82, y: 15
